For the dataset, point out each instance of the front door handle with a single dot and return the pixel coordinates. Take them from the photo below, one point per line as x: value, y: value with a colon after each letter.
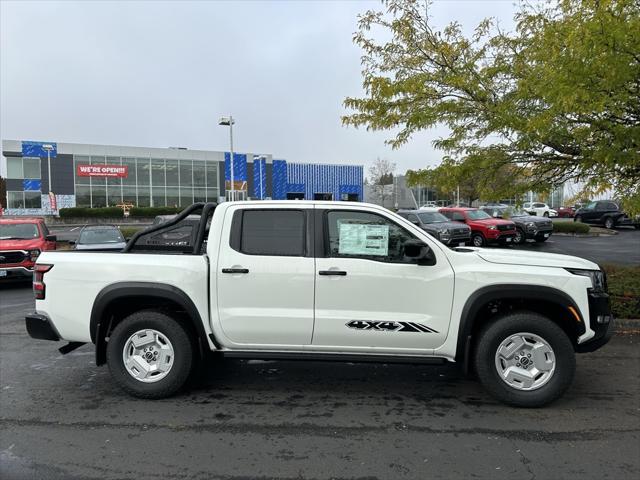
x: 235, y: 270
x: 339, y: 273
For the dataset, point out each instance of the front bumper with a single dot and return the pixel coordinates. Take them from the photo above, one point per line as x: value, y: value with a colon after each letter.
x: 40, y: 327
x: 539, y: 234
x: 502, y: 238
x: 16, y: 273
x: 601, y: 321
x: 458, y: 239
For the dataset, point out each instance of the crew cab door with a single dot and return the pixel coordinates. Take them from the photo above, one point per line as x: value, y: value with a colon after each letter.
x: 369, y: 294
x: 265, y: 276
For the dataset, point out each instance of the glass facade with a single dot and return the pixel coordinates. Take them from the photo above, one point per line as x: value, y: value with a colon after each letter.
x: 156, y: 182
x: 28, y: 170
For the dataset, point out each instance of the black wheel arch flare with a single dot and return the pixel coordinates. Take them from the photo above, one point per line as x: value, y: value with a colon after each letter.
x: 509, y: 292
x: 100, y: 322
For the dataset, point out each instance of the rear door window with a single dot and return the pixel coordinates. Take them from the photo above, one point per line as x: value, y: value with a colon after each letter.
x: 271, y: 232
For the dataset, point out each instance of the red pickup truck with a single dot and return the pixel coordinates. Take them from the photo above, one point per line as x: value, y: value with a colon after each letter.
x: 484, y: 228
x: 21, y: 241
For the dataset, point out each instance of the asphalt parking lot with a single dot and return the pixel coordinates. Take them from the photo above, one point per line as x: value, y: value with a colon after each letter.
x: 63, y: 418
x: 621, y: 249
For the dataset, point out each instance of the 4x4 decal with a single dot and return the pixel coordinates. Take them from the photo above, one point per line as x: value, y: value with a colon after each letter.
x: 390, y: 326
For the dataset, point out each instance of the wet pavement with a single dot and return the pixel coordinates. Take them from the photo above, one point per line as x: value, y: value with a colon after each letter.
x: 61, y: 417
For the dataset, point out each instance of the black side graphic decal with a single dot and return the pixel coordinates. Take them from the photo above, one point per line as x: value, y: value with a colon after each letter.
x: 412, y: 327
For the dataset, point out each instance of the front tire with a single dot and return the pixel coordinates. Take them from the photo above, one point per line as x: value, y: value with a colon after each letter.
x: 609, y: 223
x: 520, y: 237
x: 477, y: 240
x: 578, y: 218
x: 545, y: 214
x: 524, y: 359
x: 150, y: 354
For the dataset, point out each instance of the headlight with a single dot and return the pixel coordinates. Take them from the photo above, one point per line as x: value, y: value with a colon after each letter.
x: 598, y: 278
x: 531, y: 226
x: 493, y: 227
x: 34, y: 254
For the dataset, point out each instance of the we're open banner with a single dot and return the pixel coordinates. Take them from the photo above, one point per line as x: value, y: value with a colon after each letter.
x: 102, y: 171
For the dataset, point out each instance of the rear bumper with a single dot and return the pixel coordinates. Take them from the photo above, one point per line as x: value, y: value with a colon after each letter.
x: 40, y: 327
x: 601, y: 321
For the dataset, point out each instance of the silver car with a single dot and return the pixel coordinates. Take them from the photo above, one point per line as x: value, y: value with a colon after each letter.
x: 100, y: 237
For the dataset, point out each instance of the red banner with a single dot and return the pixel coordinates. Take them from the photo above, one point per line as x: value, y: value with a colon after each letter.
x: 102, y: 171
x: 52, y: 202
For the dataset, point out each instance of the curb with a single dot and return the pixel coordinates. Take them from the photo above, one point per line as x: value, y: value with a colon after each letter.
x: 623, y: 324
x: 562, y: 234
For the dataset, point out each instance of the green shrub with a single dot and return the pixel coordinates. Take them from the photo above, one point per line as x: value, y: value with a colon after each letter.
x: 116, y: 212
x: 624, y: 288
x: 154, y: 211
x: 129, y: 232
x: 571, y: 227
x: 77, y: 212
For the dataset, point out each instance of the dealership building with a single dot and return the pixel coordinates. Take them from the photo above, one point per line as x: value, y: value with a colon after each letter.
x: 108, y: 175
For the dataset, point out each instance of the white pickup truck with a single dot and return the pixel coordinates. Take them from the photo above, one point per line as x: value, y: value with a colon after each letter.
x: 323, y: 281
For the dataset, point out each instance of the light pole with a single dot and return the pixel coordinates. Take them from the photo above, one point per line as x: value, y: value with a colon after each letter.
x: 262, y: 157
x: 228, y: 122
x: 48, y: 147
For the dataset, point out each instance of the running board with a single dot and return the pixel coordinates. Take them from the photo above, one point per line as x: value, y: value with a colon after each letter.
x: 333, y: 357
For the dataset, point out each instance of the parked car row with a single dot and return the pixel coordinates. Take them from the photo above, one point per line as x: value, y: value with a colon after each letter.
x: 528, y: 227
x: 456, y: 226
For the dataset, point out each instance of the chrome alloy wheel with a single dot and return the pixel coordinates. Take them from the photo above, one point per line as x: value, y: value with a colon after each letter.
x: 525, y: 361
x: 148, y: 356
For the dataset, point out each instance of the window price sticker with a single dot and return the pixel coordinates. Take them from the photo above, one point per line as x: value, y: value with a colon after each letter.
x: 363, y: 239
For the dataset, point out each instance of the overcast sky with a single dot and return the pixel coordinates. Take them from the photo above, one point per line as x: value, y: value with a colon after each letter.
x: 159, y: 74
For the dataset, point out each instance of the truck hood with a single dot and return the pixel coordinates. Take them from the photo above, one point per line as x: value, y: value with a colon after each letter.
x: 24, y: 244
x: 534, y: 259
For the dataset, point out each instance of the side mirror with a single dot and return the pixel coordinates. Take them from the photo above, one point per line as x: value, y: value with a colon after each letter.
x: 51, y: 238
x: 419, y: 251
x: 415, y: 222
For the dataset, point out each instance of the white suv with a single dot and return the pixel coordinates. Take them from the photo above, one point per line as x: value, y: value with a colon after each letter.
x: 539, y: 209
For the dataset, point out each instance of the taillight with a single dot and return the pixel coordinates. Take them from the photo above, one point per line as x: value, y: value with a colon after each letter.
x: 38, y: 280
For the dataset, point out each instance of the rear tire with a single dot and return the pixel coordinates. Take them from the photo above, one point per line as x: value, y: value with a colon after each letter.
x: 545, y: 354
x: 150, y: 354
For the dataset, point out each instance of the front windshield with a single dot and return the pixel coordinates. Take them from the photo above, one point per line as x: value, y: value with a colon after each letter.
x: 18, y: 231
x: 432, y: 217
x: 516, y: 212
x: 100, y: 236
x: 478, y: 215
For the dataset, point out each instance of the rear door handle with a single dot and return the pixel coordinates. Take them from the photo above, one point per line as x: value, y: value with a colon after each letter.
x: 339, y: 273
x: 235, y: 270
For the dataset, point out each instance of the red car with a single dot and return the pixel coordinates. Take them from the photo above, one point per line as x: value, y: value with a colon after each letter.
x: 484, y: 228
x: 566, y: 212
x: 21, y: 241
